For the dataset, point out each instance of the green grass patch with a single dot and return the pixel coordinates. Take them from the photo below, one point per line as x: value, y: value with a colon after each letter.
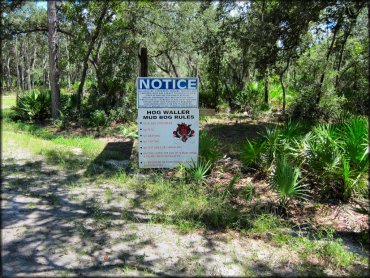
x: 189, y: 205
x: 329, y: 250
x: 266, y: 223
x: 8, y: 100
x: 336, y: 253
x: 40, y: 140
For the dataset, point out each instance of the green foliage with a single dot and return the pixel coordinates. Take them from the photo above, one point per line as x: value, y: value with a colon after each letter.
x: 324, y: 153
x: 349, y: 181
x: 248, y: 192
x: 334, y: 156
x: 230, y: 187
x: 271, y: 148
x: 198, y: 173
x: 250, y: 153
x: 355, y: 141
x: 266, y: 223
x: 285, y: 180
x: 98, y: 118
x: 246, y: 100
x: 192, y: 204
x: 336, y: 253
x: 209, y: 147
x: 33, y: 105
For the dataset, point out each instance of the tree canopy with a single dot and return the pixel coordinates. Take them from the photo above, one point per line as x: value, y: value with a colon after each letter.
x: 314, y: 54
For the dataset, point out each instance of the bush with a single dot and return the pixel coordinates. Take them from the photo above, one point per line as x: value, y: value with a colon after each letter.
x: 272, y: 145
x: 209, y: 147
x: 355, y: 141
x: 198, y: 173
x: 98, y: 118
x: 33, y: 105
x: 250, y: 153
x: 248, y: 99
x: 285, y: 181
x: 334, y: 156
x: 324, y: 154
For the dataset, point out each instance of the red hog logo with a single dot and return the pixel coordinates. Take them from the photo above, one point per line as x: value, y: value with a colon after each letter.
x: 183, y: 131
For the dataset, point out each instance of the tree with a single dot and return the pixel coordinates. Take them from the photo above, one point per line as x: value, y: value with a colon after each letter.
x: 53, y: 59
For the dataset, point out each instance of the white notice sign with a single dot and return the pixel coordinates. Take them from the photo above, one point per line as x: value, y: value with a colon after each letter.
x: 168, y: 137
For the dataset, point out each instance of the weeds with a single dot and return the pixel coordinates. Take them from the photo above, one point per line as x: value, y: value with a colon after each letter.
x: 198, y: 173
x: 248, y: 191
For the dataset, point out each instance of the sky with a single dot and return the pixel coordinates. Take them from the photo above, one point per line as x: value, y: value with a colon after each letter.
x: 41, y: 4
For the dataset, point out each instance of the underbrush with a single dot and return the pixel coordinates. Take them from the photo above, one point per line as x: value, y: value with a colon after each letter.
x: 96, y: 111
x: 331, y: 158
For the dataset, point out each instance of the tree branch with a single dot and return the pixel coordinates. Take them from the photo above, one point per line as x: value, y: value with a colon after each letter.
x: 40, y: 29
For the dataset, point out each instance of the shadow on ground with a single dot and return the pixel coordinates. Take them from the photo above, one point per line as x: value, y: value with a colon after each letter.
x: 234, y: 133
x: 114, y: 157
x: 55, y: 223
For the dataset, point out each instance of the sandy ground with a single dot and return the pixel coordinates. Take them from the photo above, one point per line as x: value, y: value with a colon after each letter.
x: 50, y: 228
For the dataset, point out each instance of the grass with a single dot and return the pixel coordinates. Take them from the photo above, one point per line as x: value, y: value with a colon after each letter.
x: 8, y: 100
x: 57, y: 149
x: 321, y: 246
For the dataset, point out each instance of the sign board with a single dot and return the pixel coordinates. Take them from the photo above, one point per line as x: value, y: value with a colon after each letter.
x: 168, y: 121
x: 167, y: 92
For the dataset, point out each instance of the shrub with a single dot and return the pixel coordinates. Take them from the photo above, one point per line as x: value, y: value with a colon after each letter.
x: 248, y: 99
x: 285, y: 181
x: 34, y: 105
x: 355, y: 137
x: 271, y: 147
x: 98, y: 118
x: 198, y: 173
x: 324, y: 152
x: 250, y: 153
x: 209, y: 147
x: 334, y: 155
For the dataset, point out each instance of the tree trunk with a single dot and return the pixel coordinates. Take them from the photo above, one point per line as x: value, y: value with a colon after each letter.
x: 30, y: 65
x: 45, y: 75
x: 53, y: 59
x: 143, y: 62
x: 99, y: 76
x: 87, y: 55
x: 336, y: 29
x: 283, y: 88
x: 22, y: 74
x: 17, y: 69
x: 282, y: 84
x: 171, y: 63
x: 33, y: 67
x: 347, y: 33
x: 266, y: 87
x: 9, y: 77
x: 68, y: 68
